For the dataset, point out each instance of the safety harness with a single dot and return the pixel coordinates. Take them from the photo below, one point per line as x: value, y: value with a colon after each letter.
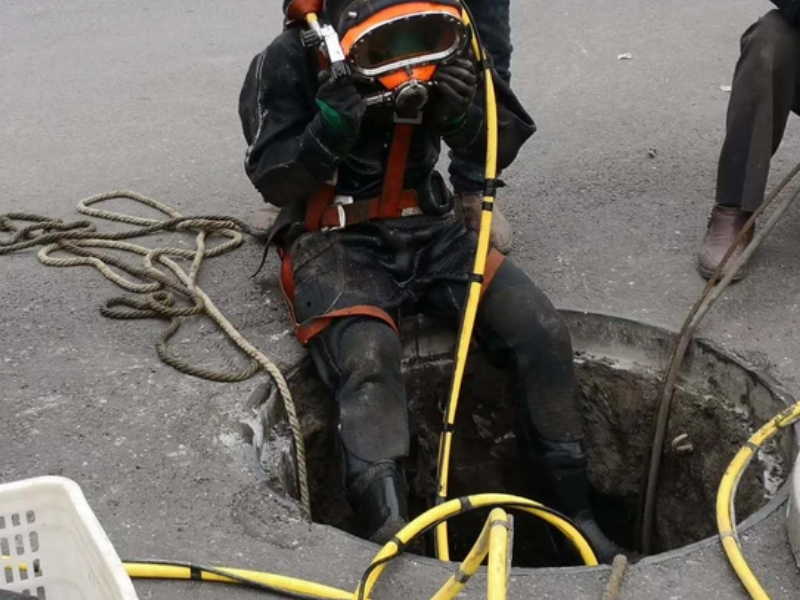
x: 325, y: 210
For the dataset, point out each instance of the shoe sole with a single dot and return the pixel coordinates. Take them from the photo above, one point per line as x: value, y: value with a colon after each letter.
x: 707, y: 273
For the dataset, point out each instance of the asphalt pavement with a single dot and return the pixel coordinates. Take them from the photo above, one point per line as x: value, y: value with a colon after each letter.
x: 608, y: 202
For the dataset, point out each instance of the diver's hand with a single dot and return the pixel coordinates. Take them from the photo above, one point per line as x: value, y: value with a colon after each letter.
x: 455, y: 86
x: 341, y: 110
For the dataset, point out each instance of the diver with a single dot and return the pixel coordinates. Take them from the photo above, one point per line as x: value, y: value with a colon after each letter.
x: 366, y: 230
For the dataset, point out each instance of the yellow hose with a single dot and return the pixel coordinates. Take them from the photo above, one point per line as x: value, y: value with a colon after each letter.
x: 496, y: 543
x: 473, y: 294
x: 494, y: 540
x: 279, y: 583
x: 313, y: 20
x: 489, y: 542
x: 455, y: 507
x: 498, y: 569
x: 726, y: 494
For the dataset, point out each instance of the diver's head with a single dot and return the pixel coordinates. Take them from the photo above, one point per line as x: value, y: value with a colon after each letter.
x: 393, y: 42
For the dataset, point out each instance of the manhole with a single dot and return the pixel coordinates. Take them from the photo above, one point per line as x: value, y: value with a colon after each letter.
x: 720, y: 401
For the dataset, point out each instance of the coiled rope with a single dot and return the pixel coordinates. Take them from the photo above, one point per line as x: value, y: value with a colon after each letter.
x: 158, y: 288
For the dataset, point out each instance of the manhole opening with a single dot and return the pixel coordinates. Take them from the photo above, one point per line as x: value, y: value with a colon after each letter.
x: 718, y: 405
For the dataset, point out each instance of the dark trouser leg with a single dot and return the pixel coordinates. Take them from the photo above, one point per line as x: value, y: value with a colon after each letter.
x: 518, y: 324
x: 494, y: 26
x: 521, y: 330
x: 359, y: 358
x: 764, y: 91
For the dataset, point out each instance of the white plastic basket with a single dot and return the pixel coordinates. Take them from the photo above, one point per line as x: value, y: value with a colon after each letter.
x: 52, y: 547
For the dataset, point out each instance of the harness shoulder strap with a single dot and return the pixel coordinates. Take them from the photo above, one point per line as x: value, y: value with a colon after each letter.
x: 394, y: 176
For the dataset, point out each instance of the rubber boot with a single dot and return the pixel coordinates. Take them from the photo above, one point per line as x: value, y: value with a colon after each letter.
x: 724, y: 225
x: 379, y: 496
x: 565, y: 467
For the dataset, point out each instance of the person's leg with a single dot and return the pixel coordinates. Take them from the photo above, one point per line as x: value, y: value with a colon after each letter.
x: 764, y: 91
x: 493, y: 18
x: 467, y: 177
x: 359, y: 359
x: 522, y: 331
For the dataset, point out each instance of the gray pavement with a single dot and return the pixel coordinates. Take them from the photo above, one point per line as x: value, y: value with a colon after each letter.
x: 99, y: 95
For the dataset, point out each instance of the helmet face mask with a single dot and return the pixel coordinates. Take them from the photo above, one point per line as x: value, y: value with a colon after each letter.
x: 403, y: 42
x: 406, y: 42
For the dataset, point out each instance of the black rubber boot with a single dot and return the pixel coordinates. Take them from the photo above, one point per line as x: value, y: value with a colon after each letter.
x: 565, y: 467
x: 379, y: 496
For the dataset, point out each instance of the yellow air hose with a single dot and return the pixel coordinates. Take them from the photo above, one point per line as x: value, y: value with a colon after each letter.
x: 726, y: 494
x: 494, y: 541
x: 256, y: 579
x: 474, y: 292
x: 441, y: 513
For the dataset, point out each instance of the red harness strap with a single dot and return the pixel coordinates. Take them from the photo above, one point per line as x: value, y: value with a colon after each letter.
x: 317, y: 325
x: 306, y: 331
x: 320, y: 211
x: 394, y: 176
x: 316, y: 206
x: 337, y: 216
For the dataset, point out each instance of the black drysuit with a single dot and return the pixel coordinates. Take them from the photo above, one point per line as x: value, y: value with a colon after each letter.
x: 418, y: 263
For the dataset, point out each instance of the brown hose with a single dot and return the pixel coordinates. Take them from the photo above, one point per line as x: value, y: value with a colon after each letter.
x: 710, y: 294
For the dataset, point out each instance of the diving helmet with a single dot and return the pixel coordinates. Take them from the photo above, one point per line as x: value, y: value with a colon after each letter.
x: 398, y: 44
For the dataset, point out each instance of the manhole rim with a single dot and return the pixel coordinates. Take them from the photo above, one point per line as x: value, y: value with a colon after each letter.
x: 776, y: 389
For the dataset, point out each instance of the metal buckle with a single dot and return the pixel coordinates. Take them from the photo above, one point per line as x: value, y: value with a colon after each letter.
x: 342, y: 216
x: 340, y: 202
x: 411, y: 211
x: 416, y: 120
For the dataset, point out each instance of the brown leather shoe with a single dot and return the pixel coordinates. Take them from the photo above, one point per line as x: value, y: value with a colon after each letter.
x: 724, y: 225
x: 468, y: 204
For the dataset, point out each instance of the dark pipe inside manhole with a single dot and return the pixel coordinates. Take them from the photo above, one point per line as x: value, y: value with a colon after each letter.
x: 719, y: 402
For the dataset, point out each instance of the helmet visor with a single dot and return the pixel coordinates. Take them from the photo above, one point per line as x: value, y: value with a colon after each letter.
x: 416, y: 39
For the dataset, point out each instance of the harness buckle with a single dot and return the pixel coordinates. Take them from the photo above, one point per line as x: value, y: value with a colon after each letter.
x: 339, y: 201
x: 411, y: 211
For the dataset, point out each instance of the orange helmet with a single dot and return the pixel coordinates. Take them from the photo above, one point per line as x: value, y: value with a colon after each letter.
x: 400, y: 41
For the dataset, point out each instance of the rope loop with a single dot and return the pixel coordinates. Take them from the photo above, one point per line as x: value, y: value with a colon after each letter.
x: 159, y: 290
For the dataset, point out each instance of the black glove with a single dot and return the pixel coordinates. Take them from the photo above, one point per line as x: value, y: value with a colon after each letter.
x: 341, y: 109
x: 455, y: 85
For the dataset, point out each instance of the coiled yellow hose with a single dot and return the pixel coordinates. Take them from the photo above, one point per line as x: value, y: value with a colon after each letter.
x: 726, y: 495
x: 493, y: 541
